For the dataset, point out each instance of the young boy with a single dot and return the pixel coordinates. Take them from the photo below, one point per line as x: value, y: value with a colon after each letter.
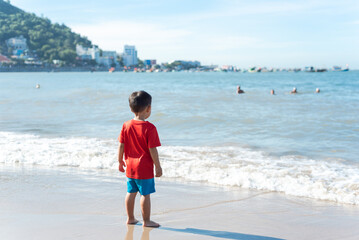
x: 138, y: 142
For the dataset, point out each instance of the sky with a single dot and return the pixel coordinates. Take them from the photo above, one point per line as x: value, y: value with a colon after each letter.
x: 267, y: 33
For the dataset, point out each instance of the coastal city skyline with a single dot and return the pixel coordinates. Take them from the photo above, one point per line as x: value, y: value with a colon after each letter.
x: 261, y: 33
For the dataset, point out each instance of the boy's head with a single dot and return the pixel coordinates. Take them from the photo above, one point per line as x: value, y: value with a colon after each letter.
x: 139, y: 101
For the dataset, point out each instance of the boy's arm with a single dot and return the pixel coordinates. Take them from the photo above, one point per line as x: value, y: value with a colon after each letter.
x: 121, y: 149
x: 156, y: 161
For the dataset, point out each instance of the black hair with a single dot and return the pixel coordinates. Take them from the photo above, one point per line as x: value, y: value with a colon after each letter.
x: 139, y: 101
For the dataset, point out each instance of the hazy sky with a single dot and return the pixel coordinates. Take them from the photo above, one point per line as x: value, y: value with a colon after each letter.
x: 242, y: 33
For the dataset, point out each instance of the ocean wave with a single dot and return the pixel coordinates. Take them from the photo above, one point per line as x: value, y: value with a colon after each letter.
x: 227, y: 166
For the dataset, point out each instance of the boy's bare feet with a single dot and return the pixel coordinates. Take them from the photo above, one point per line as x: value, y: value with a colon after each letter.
x: 132, y: 221
x: 151, y: 224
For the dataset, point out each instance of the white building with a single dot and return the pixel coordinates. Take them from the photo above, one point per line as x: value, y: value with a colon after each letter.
x: 87, y: 53
x: 107, y: 59
x: 129, y: 56
x: 110, y: 54
x: 18, y: 45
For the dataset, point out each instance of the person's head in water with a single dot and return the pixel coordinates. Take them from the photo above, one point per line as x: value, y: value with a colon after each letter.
x: 239, y: 90
x: 317, y: 90
x: 294, y: 90
x: 272, y: 92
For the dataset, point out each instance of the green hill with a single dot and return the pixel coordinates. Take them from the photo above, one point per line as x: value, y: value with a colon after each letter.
x: 47, y: 40
x: 8, y: 8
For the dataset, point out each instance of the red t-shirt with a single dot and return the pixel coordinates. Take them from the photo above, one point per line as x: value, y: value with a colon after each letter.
x: 138, y: 137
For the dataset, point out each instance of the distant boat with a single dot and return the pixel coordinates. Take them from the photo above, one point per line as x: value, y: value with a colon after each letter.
x: 266, y: 70
x: 254, y: 69
x: 309, y: 69
x: 312, y: 69
x: 339, y: 69
x: 111, y: 70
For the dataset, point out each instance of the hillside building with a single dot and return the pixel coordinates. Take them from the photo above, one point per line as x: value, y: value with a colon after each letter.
x: 106, y: 58
x: 17, y: 44
x: 87, y: 53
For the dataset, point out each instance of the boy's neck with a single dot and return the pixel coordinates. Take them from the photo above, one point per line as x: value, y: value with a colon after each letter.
x: 139, y: 117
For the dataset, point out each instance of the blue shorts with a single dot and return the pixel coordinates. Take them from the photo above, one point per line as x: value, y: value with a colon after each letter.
x: 144, y: 186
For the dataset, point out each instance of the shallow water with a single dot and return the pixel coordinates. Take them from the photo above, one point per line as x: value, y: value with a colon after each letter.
x: 305, y: 144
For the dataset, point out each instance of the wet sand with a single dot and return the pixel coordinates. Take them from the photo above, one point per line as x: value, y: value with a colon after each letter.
x: 37, y: 203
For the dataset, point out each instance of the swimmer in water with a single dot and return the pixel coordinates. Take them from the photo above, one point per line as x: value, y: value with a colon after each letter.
x: 317, y: 90
x: 239, y: 90
x: 294, y: 91
x: 272, y: 92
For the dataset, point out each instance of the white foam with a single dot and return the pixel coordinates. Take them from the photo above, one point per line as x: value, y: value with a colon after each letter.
x: 74, y: 152
x: 227, y: 166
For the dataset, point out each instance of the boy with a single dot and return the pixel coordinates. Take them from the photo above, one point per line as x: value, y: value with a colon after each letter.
x: 138, y: 142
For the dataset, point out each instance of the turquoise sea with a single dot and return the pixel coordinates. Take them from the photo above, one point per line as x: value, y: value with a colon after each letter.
x: 305, y: 144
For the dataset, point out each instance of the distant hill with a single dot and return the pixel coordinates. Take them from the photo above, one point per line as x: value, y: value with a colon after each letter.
x: 49, y: 41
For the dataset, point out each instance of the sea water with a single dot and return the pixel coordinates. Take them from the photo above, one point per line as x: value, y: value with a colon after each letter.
x: 303, y: 144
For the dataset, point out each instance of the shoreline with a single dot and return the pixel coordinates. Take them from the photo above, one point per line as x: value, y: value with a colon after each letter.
x: 67, y: 203
x: 106, y: 69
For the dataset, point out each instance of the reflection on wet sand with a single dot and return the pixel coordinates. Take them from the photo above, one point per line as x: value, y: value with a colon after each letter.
x: 145, y: 232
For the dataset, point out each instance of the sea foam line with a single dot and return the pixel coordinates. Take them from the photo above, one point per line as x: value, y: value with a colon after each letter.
x: 226, y: 166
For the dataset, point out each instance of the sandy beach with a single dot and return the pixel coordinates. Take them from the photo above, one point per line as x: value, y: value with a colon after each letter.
x: 38, y: 203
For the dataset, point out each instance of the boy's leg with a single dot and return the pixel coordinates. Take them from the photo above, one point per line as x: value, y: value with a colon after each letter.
x: 130, y: 205
x: 146, y: 211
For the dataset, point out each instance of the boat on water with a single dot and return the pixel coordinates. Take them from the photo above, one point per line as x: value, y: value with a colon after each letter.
x: 339, y: 69
x: 309, y: 69
x: 312, y: 69
x: 266, y: 69
x: 254, y: 69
